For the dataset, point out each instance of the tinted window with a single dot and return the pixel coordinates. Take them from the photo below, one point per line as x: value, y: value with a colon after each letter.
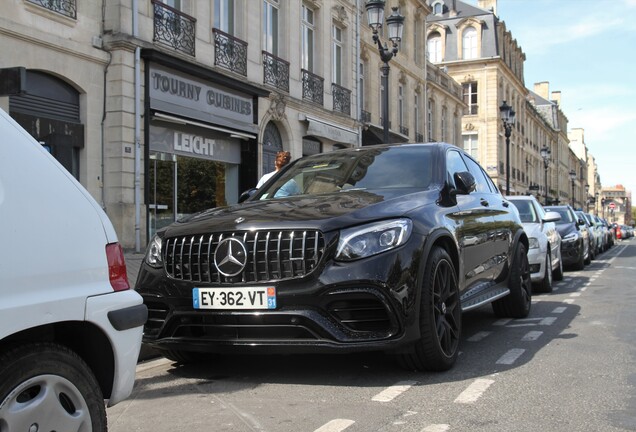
x: 454, y: 164
x: 527, y: 211
x: 480, y: 176
x: 566, y: 216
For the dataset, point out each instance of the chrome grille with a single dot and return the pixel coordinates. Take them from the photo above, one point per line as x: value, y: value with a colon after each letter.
x: 271, y: 255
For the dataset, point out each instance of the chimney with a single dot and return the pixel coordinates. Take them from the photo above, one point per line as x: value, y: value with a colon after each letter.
x: 542, y: 89
x: 453, y: 9
x: 556, y: 97
x: 489, y: 5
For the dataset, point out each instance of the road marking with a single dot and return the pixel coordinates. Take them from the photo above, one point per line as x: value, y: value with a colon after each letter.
x: 623, y: 267
x: 511, y: 356
x: 478, y: 336
x: 555, y: 288
x: 153, y: 364
x: 560, y: 309
x: 387, y: 395
x: 568, y: 301
x: 576, y: 294
x: 584, y: 288
x: 436, y: 428
x: 547, y: 321
x: 474, y: 391
x: 532, y: 336
x: 502, y: 322
x: 336, y: 425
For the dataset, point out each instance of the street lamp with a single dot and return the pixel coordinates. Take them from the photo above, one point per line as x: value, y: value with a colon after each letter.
x: 508, y: 117
x: 587, y: 197
x: 395, y: 25
x: 545, y: 154
x: 572, y: 177
x: 603, y: 207
x: 596, y: 203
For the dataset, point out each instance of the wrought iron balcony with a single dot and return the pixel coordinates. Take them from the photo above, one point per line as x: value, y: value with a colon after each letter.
x: 174, y: 28
x: 341, y: 99
x: 404, y: 130
x: 365, y: 116
x: 313, y: 87
x: 419, y: 137
x: 275, y: 71
x: 230, y: 52
x: 64, y: 7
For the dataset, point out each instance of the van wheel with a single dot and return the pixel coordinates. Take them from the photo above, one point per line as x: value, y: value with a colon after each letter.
x: 516, y: 304
x: 50, y: 386
x: 440, y: 317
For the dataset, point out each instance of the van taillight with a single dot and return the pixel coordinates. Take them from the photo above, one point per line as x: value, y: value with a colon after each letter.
x: 117, y: 267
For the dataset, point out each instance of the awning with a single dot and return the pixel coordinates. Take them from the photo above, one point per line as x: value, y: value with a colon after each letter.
x: 333, y: 132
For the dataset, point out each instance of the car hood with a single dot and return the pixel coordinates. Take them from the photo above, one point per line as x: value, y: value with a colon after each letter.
x: 323, y: 212
x: 565, y: 229
x: 532, y: 229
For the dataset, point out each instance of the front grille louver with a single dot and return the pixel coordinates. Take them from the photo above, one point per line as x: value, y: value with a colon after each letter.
x: 271, y: 255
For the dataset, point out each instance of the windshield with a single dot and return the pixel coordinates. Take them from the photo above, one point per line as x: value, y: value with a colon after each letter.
x: 360, y: 169
x: 527, y: 212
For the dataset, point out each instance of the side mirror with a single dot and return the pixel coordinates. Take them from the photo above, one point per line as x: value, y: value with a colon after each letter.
x: 465, y: 182
x: 551, y: 217
x: 247, y: 194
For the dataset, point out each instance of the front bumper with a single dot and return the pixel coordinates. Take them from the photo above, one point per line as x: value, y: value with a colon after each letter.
x: 369, y: 304
x: 571, y: 252
x: 536, y: 259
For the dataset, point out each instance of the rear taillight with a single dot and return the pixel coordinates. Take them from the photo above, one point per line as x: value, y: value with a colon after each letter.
x: 117, y: 267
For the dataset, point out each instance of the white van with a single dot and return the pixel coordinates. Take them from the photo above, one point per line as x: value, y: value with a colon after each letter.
x: 70, y: 326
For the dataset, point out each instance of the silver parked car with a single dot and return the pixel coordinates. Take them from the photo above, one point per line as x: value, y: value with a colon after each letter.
x: 544, y: 254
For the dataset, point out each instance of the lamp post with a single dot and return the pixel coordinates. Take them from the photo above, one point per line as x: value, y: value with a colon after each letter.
x: 395, y: 25
x: 587, y: 197
x: 572, y: 177
x: 508, y: 117
x: 603, y: 207
x: 596, y: 203
x: 545, y: 154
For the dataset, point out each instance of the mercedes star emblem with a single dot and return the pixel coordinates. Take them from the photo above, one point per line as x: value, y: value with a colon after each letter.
x: 230, y: 256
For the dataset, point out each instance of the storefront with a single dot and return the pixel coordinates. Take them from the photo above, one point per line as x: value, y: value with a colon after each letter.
x: 201, y: 134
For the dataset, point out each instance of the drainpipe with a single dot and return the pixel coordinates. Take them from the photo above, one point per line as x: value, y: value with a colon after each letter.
x: 137, y: 130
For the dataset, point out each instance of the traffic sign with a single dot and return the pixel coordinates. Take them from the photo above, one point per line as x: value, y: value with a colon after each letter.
x: 612, y: 205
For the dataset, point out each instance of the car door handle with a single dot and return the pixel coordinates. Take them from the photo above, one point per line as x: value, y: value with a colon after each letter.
x: 484, y: 202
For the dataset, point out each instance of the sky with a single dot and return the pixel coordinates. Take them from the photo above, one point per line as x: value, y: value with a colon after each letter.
x: 586, y: 49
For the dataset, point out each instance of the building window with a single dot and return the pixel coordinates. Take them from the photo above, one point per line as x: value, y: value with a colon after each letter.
x: 429, y: 113
x: 438, y: 8
x: 471, y: 145
x: 224, y: 15
x: 416, y: 39
x: 361, y: 86
x: 381, y: 97
x: 469, y: 43
x: 337, y: 55
x: 308, y: 38
x: 416, y: 114
x: 443, y: 125
x: 270, y: 26
x: 470, y: 97
x: 434, y: 47
x: 401, y: 104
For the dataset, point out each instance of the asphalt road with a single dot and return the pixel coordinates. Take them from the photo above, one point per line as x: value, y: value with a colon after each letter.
x: 570, y: 366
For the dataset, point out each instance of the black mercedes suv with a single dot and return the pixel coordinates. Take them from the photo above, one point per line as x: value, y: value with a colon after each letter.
x: 382, y: 248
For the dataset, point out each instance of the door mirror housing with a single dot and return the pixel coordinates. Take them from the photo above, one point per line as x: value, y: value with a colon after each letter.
x: 464, y: 182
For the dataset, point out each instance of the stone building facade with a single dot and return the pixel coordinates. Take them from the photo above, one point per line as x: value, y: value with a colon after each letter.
x: 164, y: 108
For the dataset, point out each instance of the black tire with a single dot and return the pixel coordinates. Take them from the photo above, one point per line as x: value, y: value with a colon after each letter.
x: 557, y: 275
x: 516, y: 304
x: 582, y: 262
x: 546, y: 284
x: 52, y: 387
x: 440, y: 317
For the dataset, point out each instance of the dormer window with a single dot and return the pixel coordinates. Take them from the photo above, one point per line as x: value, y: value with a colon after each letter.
x: 438, y: 8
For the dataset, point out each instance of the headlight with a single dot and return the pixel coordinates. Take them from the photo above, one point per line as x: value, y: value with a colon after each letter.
x: 372, y: 239
x: 569, y: 238
x: 153, y: 253
x: 534, y: 243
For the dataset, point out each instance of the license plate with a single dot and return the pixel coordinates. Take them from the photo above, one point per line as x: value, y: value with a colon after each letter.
x: 234, y: 298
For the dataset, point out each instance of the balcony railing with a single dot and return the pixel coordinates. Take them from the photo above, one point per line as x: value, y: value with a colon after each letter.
x: 419, y: 137
x: 404, y: 130
x: 313, y: 87
x: 64, y: 7
x: 365, y: 116
x: 275, y: 71
x: 341, y: 99
x: 230, y: 52
x: 174, y: 28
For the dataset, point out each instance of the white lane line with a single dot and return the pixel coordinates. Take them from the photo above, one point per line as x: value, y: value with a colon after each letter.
x: 575, y: 294
x: 502, y: 322
x: 153, y: 364
x: 390, y: 393
x: 568, y: 301
x: 555, y: 288
x: 511, y: 356
x: 584, y: 288
x: 336, y: 425
x: 532, y: 336
x: 474, y: 391
x: 479, y: 336
x: 436, y: 428
x: 547, y: 321
x: 560, y: 309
